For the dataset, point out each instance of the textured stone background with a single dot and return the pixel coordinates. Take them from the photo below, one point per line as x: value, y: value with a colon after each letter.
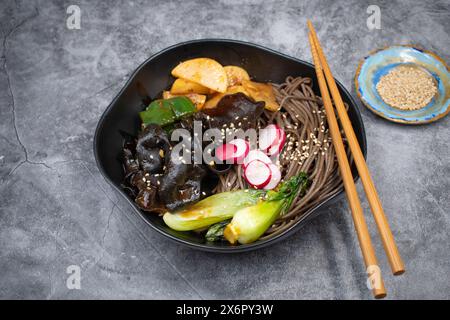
x: 56, y: 210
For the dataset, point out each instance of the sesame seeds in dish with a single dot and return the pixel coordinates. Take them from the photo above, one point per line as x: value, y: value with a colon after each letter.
x: 407, y: 87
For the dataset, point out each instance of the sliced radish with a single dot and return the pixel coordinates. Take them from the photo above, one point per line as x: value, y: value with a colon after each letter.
x: 225, y: 152
x: 242, y: 150
x: 276, y: 149
x: 275, y: 178
x: 256, y: 155
x: 269, y: 136
x: 257, y: 174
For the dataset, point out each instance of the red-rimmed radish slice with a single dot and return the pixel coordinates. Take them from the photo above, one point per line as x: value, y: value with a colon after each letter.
x: 225, y: 152
x: 256, y: 155
x: 275, y: 178
x: 257, y: 174
x: 242, y: 150
x: 276, y: 149
x: 269, y: 136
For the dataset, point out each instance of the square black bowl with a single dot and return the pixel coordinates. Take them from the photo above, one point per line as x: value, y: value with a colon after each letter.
x: 153, y: 76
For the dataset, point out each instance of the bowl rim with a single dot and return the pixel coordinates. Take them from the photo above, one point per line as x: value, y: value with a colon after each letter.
x: 383, y: 115
x: 202, y: 246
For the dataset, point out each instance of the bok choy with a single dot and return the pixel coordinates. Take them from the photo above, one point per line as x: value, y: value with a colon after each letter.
x: 216, y: 208
x: 250, y: 223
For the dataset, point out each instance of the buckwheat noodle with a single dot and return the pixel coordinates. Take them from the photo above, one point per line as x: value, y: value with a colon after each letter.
x: 308, y: 148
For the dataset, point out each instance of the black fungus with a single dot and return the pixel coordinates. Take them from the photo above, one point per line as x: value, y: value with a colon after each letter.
x: 147, y: 200
x: 236, y: 109
x: 181, y: 184
x: 130, y: 164
x: 151, y: 147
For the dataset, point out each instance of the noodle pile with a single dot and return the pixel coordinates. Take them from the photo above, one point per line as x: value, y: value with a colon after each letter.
x: 308, y: 148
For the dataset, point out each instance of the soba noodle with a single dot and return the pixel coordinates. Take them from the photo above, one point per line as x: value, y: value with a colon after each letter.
x: 308, y: 149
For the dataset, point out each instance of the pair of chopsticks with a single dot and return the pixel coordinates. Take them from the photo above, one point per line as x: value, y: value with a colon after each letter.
x: 395, y: 261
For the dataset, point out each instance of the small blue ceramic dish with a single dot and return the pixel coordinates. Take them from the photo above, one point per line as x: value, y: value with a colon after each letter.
x: 380, y: 62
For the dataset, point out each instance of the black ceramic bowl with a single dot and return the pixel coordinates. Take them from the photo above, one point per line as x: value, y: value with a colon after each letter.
x: 153, y: 76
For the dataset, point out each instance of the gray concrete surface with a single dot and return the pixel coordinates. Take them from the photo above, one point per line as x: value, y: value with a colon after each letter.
x: 56, y: 210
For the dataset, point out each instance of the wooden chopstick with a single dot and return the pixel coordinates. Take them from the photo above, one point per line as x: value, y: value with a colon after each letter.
x: 385, y: 232
x: 357, y: 214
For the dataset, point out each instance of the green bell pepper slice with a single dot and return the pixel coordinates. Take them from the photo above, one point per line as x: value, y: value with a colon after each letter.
x: 166, y: 111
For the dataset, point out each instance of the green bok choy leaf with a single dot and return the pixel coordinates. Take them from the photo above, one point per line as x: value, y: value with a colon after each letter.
x: 215, y: 232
